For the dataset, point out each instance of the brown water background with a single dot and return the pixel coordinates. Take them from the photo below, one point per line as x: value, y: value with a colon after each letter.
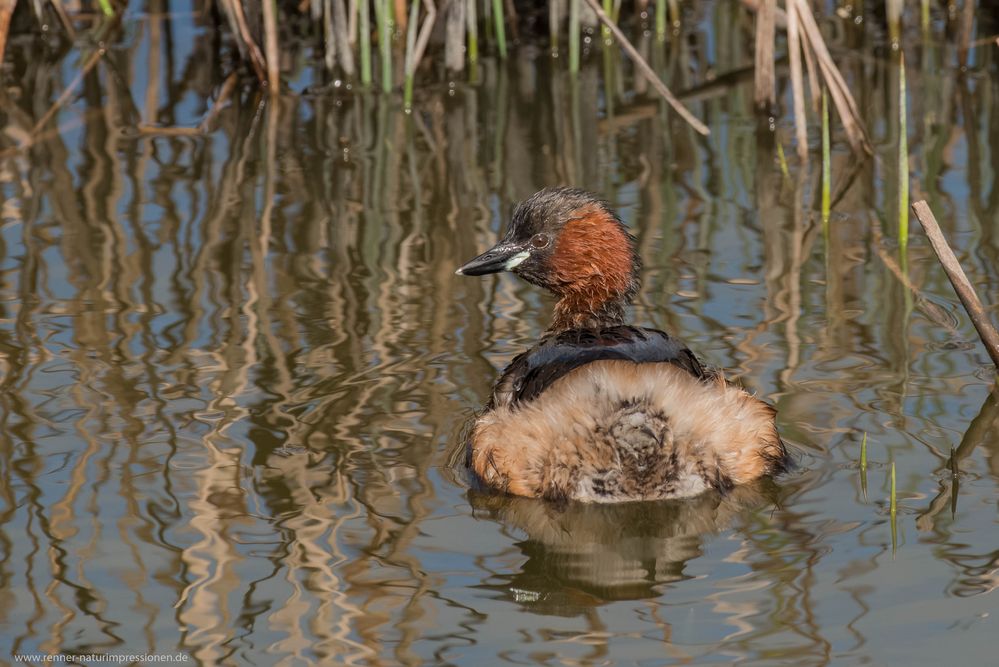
x: 235, y: 365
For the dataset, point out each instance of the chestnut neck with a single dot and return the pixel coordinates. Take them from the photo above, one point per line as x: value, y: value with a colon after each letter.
x: 575, y: 311
x: 593, y: 271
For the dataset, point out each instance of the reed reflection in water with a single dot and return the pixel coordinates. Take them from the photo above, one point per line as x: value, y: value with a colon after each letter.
x: 236, y: 366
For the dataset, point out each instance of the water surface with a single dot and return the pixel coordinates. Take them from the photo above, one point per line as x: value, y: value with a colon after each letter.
x: 236, y: 364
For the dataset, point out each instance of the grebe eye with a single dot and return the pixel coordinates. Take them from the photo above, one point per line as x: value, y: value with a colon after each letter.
x: 539, y: 241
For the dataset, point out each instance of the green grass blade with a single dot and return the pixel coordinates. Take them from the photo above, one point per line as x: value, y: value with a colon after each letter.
x: 826, y: 160
x: 500, y: 19
x: 364, y: 28
x: 893, y: 505
x: 574, y: 35
x: 903, y: 160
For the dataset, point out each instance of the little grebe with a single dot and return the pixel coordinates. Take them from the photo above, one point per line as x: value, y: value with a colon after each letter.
x: 599, y: 410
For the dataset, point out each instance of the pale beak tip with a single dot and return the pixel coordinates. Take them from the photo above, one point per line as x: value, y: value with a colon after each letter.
x: 459, y: 272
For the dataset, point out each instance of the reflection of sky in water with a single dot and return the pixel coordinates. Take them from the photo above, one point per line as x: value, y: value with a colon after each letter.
x: 237, y: 444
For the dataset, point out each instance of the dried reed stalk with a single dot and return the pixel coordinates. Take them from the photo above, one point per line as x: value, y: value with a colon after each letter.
x: 271, y: 46
x: 454, y: 30
x: 965, y: 291
x: 248, y: 46
x: 647, y: 71
x: 797, y: 85
x: 341, y: 32
x: 765, y: 85
x: 846, y: 106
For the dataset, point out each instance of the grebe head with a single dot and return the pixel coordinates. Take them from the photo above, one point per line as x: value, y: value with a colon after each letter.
x: 572, y: 244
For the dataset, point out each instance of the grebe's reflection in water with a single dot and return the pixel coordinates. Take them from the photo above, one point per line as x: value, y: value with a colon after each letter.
x: 585, y: 554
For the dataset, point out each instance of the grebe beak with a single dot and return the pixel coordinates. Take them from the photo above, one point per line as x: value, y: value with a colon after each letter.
x: 504, y: 256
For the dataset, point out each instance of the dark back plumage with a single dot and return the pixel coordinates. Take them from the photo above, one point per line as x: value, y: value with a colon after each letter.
x: 533, y: 371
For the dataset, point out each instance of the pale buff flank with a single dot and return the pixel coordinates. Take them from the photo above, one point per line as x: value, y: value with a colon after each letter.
x: 615, y: 430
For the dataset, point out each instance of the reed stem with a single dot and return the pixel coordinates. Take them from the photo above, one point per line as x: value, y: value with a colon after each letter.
x: 863, y: 453
x: 826, y: 160
x: 472, y: 21
x: 385, y: 42
x: 893, y: 505
x: 604, y: 30
x: 410, y: 64
x: 554, y: 19
x: 574, y: 36
x: 661, y: 20
x: 499, y: 18
x: 364, y: 20
x: 863, y: 465
x: 782, y: 161
x: 903, y: 160
x: 271, y: 50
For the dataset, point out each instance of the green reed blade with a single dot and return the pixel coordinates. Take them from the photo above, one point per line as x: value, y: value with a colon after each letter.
x: 826, y: 160
x: 364, y: 27
x: 782, y: 161
x: 893, y: 505
x: 472, y: 26
x: 384, y: 11
x: 605, y: 32
x: 574, y: 36
x: 903, y: 159
x: 414, y: 17
x: 661, y: 20
x: 863, y: 466
x: 893, y: 513
x: 500, y: 19
x: 863, y: 453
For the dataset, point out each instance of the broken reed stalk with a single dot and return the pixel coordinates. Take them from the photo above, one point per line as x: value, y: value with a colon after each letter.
x: 965, y: 291
x: 69, y: 91
x: 846, y: 106
x: 814, y: 89
x: 647, y: 71
x: 797, y: 85
x: 247, y: 45
x: 764, y: 84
